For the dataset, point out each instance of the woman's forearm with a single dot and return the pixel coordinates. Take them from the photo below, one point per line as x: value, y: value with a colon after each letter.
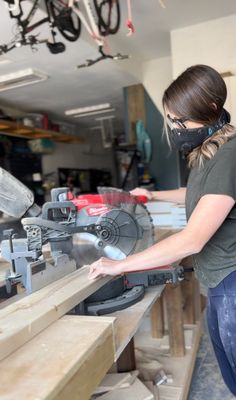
x: 172, y: 249
x: 176, y: 195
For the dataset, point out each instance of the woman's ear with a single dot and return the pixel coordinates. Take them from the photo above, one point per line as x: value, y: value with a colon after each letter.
x: 214, y: 106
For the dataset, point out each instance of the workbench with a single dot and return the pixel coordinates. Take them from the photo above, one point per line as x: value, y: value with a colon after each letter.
x: 46, y: 354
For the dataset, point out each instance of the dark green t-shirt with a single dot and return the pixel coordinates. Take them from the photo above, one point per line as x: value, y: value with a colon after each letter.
x: 218, y: 176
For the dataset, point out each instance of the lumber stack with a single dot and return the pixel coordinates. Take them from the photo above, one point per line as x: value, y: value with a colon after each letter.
x: 167, y: 214
x: 46, y: 355
x: 65, y: 361
x: 24, y: 319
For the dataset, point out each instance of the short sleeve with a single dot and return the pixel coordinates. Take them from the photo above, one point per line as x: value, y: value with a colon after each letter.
x: 220, y: 177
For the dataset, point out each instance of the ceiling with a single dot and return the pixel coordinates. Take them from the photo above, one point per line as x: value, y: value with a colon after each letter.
x: 69, y: 87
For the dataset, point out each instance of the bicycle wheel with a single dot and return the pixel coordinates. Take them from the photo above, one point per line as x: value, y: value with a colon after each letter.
x: 108, y: 12
x: 65, y: 20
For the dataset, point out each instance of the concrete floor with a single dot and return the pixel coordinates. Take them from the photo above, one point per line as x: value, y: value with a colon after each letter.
x: 207, y: 383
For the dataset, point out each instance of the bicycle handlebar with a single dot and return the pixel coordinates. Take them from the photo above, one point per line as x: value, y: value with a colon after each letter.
x: 30, y: 41
x: 103, y: 56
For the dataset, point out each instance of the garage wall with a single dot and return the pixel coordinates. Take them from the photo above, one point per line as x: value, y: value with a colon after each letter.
x: 164, y: 166
x: 156, y: 77
x: 164, y: 163
x: 90, y: 154
x: 212, y: 42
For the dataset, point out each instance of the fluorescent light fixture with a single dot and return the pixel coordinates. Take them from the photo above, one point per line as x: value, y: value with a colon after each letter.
x: 93, y: 113
x: 104, y: 118
x: 83, y: 110
x: 21, y: 78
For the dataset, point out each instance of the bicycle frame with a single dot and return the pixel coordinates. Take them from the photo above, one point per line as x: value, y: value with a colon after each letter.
x: 90, y: 25
x: 24, y: 28
x: 12, y: 5
x: 25, y: 24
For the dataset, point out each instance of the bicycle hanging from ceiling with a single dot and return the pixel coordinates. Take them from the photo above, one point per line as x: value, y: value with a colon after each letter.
x: 100, y: 18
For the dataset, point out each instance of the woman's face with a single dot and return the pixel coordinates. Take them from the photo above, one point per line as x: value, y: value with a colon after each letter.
x: 177, y: 122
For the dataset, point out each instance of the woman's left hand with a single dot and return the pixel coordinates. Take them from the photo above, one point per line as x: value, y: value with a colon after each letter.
x: 104, y: 266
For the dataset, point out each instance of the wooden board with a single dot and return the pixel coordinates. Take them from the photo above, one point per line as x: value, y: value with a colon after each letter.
x: 114, y: 381
x: 181, y: 369
x: 65, y: 361
x: 137, y: 391
x: 153, y: 388
x: 22, y: 320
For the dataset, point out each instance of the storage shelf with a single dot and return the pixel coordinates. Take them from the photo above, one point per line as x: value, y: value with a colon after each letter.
x: 16, y: 129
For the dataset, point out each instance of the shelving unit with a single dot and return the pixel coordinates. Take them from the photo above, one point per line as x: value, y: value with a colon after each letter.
x: 17, y: 129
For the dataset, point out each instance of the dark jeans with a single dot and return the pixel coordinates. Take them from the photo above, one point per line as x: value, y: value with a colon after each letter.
x: 221, y: 318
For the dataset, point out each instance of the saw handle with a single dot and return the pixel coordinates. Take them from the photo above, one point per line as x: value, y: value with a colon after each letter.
x: 142, y: 198
x: 85, y: 200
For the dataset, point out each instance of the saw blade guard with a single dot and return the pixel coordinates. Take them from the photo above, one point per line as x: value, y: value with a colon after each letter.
x: 124, y: 227
x: 135, y: 207
x: 15, y: 197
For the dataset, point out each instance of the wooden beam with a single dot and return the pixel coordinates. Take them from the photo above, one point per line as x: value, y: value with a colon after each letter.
x: 21, y: 321
x: 173, y: 298
x: 65, y: 361
x: 157, y: 319
x: 136, y: 108
x: 191, y: 294
x: 126, y: 361
x: 192, y: 300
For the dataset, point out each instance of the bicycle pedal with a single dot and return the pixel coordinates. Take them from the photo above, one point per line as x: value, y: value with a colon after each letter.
x: 56, y: 48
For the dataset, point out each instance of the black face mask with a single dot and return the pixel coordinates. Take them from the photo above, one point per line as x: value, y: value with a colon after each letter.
x: 186, y: 140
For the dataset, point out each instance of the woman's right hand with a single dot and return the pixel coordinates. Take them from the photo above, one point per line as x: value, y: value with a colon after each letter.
x: 141, y: 192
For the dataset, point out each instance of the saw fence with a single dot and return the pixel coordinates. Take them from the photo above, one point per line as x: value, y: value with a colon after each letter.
x: 46, y: 354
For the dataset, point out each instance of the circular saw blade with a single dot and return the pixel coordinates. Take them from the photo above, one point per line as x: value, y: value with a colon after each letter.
x: 126, y: 228
x: 119, y: 230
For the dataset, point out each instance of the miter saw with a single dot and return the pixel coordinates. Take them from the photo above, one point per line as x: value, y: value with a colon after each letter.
x: 112, y: 223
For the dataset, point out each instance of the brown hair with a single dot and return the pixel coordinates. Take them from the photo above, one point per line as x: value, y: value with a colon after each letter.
x: 199, y: 94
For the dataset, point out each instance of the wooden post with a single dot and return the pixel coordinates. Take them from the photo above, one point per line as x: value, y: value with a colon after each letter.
x: 126, y: 361
x: 173, y: 298
x: 157, y: 319
x: 188, y: 298
x: 191, y: 294
x: 136, y: 108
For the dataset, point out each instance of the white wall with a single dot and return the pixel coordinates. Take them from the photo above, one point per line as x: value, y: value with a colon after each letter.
x: 212, y: 43
x: 156, y: 77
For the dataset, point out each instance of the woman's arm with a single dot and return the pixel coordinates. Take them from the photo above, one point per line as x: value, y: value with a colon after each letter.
x: 207, y: 217
x: 176, y: 195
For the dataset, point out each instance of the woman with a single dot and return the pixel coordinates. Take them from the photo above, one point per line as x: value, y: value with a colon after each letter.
x: 198, y: 125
